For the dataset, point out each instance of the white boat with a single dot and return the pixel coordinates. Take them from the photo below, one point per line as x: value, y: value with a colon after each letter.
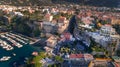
x: 5, y: 58
x: 6, y: 46
x: 19, y: 46
x: 14, y: 54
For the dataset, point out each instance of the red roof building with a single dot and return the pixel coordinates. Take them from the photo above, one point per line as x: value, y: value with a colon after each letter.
x: 76, y: 56
x: 117, y: 65
x: 62, y: 20
x: 35, y: 53
x: 88, y: 57
x: 67, y: 36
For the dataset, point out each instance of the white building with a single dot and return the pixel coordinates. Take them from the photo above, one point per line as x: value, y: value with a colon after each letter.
x: 48, y: 27
x: 107, y: 30
x: 52, y: 41
x: 48, y: 17
x: 62, y: 24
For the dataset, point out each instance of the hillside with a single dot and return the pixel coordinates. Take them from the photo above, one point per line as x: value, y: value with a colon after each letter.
x: 107, y: 3
x: 25, y: 2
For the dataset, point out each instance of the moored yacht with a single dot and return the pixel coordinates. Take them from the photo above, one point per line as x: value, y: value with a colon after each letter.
x: 5, y: 58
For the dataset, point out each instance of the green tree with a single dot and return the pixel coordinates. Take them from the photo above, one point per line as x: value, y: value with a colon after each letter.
x: 19, y: 24
x: 24, y: 29
x: 58, y: 59
x: 117, y: 28
x: 1, y: 23
x: 38, y: 64
x: 49, y: 65
x: 37, y: 59
x: 56, y: 16
x: 55, y: 65
x: 36, y: 32
x: 118, y: 52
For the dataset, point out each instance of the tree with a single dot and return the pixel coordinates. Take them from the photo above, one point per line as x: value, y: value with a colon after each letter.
x: 42, y: 54
x: 45, y: 12
x: 36, y: 32
x: 117, y: 28
x: 58, y: 59
x: 118, y: 52
x: 37, y: 59
x: 56, y: 16
x: 38, y: 64
x: 28, y: 63
x: 49, y: 65
x: 1, y: 23
x: 24, y: 29
x: 106, y: 53
x: 19, y: 24
x: 9, y: 27
x: 65, y: 50
x: 55, y: 65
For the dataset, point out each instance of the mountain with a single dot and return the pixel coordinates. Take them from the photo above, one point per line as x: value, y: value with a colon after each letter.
x: 26, y: 2
x: 107, y: 3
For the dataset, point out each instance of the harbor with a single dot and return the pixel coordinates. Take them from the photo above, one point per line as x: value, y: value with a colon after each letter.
x: 14, y: 48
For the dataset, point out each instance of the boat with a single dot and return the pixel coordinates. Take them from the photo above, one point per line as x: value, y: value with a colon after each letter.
x: 5, y: 45
x: 14, y: 54
x: 5, y: 58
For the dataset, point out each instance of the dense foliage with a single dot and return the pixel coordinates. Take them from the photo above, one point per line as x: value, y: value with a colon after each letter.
x: 117, y: 28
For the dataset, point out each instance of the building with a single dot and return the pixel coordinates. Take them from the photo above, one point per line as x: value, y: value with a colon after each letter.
x: 88, y: 57
x: 67, y: 36
x: 107, y: 30
x: 105, y: 35
x: 54, y: 11
x: 48, y: 17
x: 117, y: 61
x: 37, y: 24
x: 52, y: 41
x: 62, y: 24
x: 49, y: 50
x: 78, y: 60
x: 49, y: 27
x: 76, y: 56
x: 98, y: 62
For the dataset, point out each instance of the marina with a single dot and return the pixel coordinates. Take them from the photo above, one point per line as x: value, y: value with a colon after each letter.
x: 5, y: 45
x: 12, y: 41
x: 13, y: 48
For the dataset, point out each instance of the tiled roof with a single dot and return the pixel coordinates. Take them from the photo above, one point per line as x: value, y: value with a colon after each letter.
x: 117, y: 65
x: 76, y: 56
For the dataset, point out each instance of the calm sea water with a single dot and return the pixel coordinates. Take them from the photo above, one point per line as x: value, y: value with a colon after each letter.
x: 21, y: 53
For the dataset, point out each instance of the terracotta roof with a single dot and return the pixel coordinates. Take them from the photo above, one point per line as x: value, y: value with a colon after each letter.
x: 88, y: 56
x: 76, y: 56
x: 117, y: 65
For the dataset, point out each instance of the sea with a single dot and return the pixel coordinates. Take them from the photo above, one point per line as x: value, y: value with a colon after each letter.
x: 17, y: 55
